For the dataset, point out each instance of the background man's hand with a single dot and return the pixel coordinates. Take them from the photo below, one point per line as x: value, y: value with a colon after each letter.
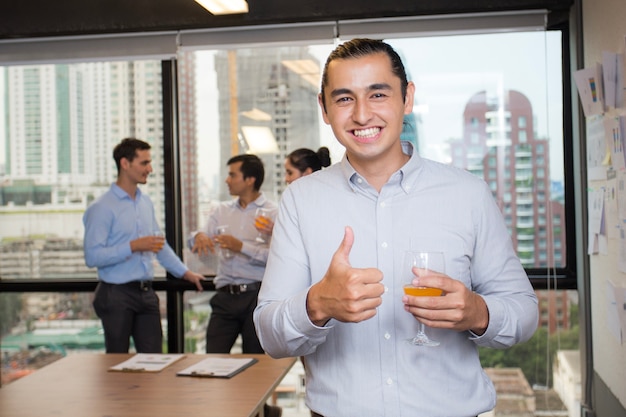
x: 194, y: 278
x: 203, y: 244
x: 229, y: 242
x: 147, y: 244
x: 345, y: 293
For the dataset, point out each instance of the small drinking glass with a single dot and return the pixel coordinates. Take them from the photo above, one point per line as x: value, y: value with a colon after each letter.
x: 427, y: 261
x: 225, y: 253
x: 158, y: 233
x: 262, y: 219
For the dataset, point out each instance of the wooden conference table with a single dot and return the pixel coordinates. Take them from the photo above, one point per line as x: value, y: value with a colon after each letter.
x: 80, y: 385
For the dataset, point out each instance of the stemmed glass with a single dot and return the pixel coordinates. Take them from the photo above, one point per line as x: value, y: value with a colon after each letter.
x: 262, y: 219
x: 426, y: 261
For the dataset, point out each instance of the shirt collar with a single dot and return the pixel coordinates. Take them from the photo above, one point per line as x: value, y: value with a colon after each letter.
x: 408, y: 172
x: 121, y: 194
x: 259, y: 202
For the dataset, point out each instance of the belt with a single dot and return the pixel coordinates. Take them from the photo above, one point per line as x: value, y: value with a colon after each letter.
x: 240, y: 288
x: 141, y: 285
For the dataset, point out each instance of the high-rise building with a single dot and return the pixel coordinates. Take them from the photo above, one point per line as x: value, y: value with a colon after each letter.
x: 267, y: 90
x: 188, y: 148
x: 500, y: 145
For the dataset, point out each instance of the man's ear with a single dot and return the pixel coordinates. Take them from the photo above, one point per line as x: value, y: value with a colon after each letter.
x: 124, y: 163
x: 250, y: 181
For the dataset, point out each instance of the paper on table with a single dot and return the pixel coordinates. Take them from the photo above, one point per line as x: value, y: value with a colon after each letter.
x: 147, y: 362
x: 218, y: 367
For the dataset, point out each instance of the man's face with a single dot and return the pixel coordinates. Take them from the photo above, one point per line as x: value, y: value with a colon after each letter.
x: 365, y: 107
x: 237, y: 185
x: 139, y: 168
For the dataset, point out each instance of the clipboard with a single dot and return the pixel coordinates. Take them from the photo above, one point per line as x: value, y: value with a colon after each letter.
x: 147, y: 362
x: 218, y: 367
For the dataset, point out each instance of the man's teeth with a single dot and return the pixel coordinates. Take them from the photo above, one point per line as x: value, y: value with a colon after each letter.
x: 372, y: 131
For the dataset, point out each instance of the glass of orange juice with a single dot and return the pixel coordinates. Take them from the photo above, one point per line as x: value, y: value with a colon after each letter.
x: 261, y: 220
x: 424, y: 262
x: 160, y: 239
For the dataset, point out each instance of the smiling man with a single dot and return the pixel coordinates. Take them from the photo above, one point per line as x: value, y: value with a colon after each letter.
x: 332, y: 290
x: 121, y: 238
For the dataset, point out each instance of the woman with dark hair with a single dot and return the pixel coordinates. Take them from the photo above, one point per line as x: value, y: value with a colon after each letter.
x: 305, y: 161
x: 299, y: 163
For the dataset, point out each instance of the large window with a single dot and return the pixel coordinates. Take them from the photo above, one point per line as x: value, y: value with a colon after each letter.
x: 488, y: 103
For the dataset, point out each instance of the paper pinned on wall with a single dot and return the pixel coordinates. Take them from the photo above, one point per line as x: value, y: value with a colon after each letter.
x: 597, y: 149
x: 612, y: 313
x: 615, y: 141
x: 613, y: 78
x: 596, y: 221
x: 590, y: 90
x: 610, y: 206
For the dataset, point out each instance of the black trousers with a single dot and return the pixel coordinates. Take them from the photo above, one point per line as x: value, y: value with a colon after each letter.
x: 231, y: 316
x: 129, y: 310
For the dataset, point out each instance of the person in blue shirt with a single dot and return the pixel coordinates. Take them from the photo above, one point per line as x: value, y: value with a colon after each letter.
x: 333, y: 286
x: 121, y: 239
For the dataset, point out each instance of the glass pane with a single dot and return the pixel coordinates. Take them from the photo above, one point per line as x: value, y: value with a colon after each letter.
x: 261, y: 101
x: 492, y: 105
x: 38, y: 328
x: 543, y: 372
x: 57, y: 135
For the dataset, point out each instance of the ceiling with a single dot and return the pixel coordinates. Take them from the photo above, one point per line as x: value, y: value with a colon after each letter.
x: 44, y: 18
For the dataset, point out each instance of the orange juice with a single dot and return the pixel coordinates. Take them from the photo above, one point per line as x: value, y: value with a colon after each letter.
x: 161, y: 244
x: 261, y: 221
x: 422, y: 291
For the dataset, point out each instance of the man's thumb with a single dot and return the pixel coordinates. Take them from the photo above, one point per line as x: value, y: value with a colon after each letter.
x: 343, y: 252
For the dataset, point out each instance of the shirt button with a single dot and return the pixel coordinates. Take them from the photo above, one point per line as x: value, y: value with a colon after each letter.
x: 359, y: 180
x: 386, y: 288
x: 389, y: 381
x: 387, y: 336
x: 383, y: 204
x: 384, y: 245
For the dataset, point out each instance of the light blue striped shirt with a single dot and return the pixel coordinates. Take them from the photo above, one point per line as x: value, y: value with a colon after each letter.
x: 111, y: 223
x: 367, y: 368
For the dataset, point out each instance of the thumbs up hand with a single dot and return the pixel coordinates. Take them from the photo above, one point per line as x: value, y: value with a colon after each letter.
x: 345, y: 293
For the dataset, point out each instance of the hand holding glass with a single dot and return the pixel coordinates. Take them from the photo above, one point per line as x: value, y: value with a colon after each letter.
x: 161, y: 239
x: 426, y: 261
x: 225, y: 253
x: 261, y: 220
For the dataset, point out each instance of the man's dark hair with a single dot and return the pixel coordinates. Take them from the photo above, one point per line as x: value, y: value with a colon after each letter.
x: 127, y: 148
x: 251, y: 166
x: 361, y: 47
